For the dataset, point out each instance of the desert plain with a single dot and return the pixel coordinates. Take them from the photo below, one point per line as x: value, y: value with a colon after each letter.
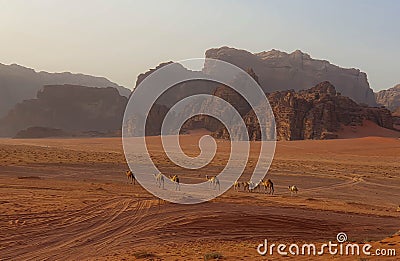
x: 69, y: 199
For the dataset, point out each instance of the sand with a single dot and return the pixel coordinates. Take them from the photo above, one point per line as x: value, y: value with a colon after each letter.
x: 368, y: 129
x: 68, y: 199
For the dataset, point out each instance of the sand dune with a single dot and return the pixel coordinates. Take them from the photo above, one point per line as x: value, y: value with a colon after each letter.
x: 369, y: 129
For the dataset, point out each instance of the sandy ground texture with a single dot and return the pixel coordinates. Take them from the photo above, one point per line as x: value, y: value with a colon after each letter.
x: 68, y: 199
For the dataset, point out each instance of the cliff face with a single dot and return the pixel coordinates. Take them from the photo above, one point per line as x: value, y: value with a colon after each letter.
x: 18, y: 83
x: 396, y: 118
x: 278, y: 70
x: 181, y: 90
x: 316, y: 113
x: 227, y: 94
x: 69, y: 108
x: 153, y: 120
x: 389, y: 98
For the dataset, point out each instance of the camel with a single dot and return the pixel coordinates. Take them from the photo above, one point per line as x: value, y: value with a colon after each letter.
x: 159, y: 180
x: 293, y: 190
x: 251, y: 186
x: 236, y: 185
x: 214, y: 181
x: 259, y: 186
x: 245, y: 186
x: 175, y: 179
x: 130, y: 176
x: 268, y: 185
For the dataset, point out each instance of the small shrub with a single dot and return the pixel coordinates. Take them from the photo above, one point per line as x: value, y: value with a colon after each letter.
x: 213, y: 255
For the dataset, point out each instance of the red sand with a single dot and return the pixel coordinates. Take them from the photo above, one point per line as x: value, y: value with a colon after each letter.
x: 68, y: 199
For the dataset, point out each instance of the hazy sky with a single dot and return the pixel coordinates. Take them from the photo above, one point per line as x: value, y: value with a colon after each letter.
x: 120, y: 39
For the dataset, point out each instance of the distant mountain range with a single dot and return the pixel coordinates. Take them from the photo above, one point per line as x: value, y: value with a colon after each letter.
x: 64, y: 103
x: 18, y: 83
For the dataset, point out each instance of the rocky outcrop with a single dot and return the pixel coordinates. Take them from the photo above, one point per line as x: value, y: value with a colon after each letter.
x: 70, y: 108
x: 278, y: 70
x: 18, y: 83
x: 45, y: 132
x: 316, y: 113
x: 396, y: 112
x: 389, y: 98
x: 396, y: 118
x: 40, y: 132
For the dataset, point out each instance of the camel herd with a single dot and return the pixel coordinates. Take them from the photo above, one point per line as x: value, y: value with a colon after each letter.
x: 249, y: 186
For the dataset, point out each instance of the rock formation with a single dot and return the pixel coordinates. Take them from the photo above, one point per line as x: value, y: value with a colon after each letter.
x: 316, y: 113
x: 226, y: 93
x: 181, y: 90
x: 40, y: 132
x: 389, y: 98
x: 18, y: 83
x: 153, y: 120
x: 278, y: 70
x: 70, y: 108
x: 396, y: 118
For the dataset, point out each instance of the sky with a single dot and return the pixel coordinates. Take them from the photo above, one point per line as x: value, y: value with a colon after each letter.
x: 121, y: 39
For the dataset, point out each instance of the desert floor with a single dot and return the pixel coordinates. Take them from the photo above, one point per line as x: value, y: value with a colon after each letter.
x: 69, y: 199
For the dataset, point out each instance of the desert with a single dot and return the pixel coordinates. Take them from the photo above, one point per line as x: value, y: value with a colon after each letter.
x: 69, y: 199
x: 199, y: 130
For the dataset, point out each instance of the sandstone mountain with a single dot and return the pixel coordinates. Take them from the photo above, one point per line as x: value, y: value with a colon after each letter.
x: 396, y: 118
x: 396, y: 112
x: 18, y: 83
x: 276, y: 71
x: 71, y: 108
x: 279, y: 71
x: 316, y: 113
x: 181, y: 90
x: 153, y: 120
x: 389, y: 98
x: 227, y: 94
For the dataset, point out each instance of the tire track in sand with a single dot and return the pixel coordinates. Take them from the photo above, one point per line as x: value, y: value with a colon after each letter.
x: 79, y: 234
